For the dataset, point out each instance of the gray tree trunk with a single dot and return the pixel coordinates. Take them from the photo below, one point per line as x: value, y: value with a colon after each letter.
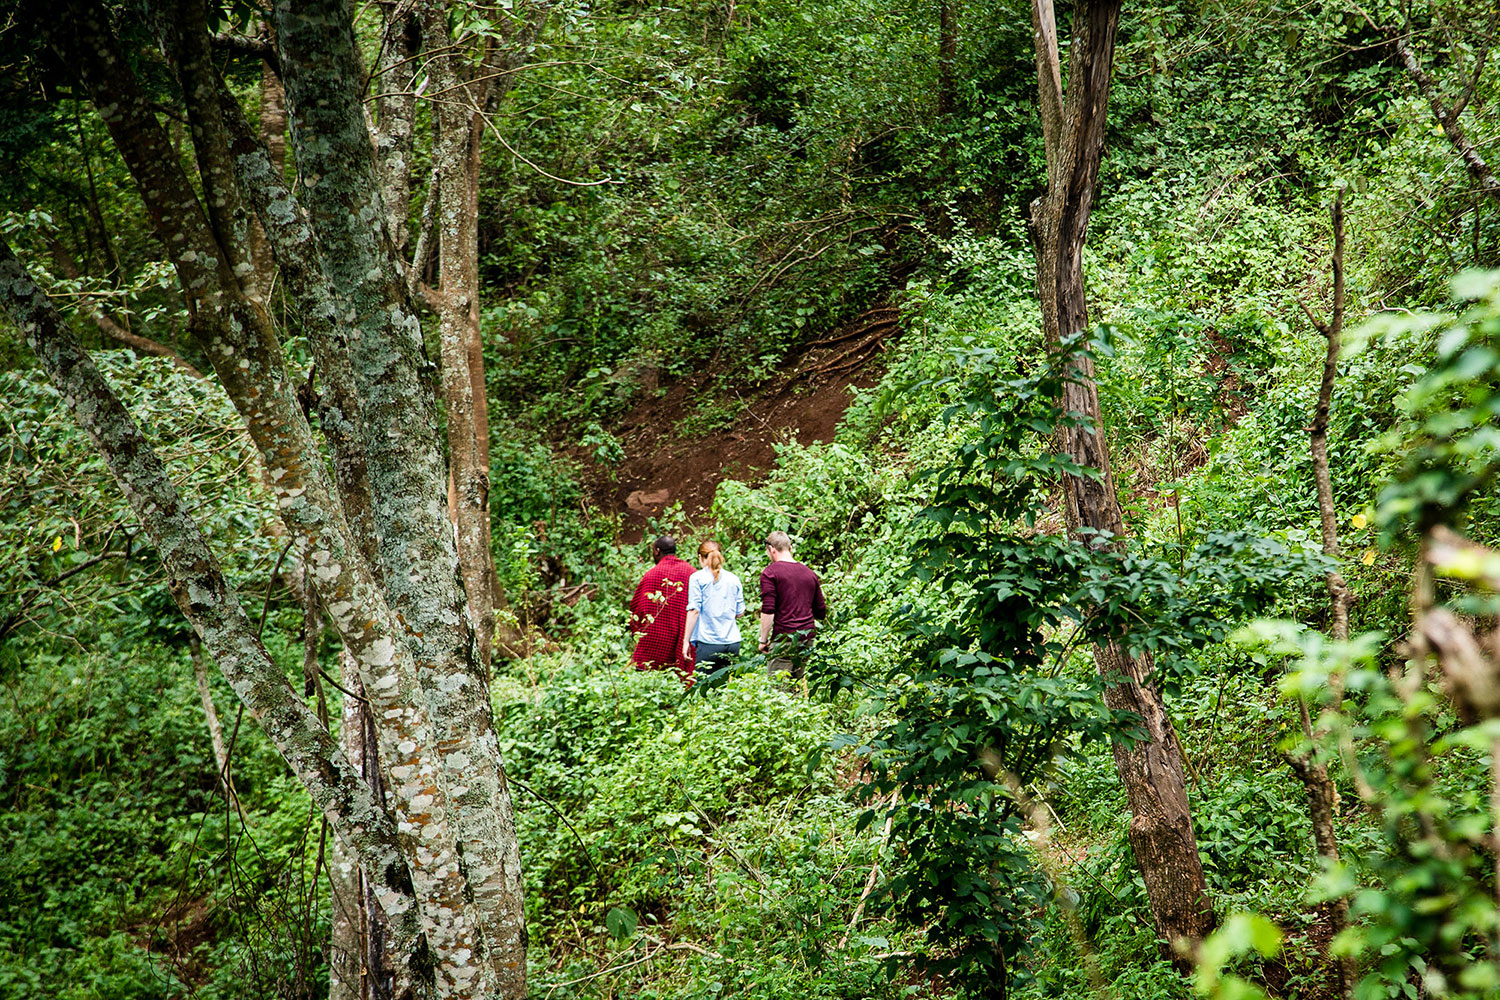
x: 443, y: 862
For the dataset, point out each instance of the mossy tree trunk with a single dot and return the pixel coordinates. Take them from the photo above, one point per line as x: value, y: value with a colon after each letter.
x: 440, y: 853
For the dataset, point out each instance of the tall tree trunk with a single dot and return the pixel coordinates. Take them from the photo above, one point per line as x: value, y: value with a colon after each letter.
x: 407, y: 476
x: 457, y: 301
x: 395, y: 83
x: 1161, y: 826
x: 947, y: 56
x: 422, y: 678
x: 471, y: 93
x: 207, y: 601
x: 273, y: 134
x: 379, y: 547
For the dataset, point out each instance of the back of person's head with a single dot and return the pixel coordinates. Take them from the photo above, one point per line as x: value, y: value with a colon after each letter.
x: 666, y: 545
x: 780, y: 541
x: 710, y: 553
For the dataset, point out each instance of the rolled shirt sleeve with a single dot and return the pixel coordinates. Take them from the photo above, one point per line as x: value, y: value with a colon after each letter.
x: 767, y: 594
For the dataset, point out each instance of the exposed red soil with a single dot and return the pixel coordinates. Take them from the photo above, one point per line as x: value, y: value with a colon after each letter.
x: 663, y: 465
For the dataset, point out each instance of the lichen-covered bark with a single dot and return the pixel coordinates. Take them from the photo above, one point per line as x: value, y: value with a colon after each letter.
x: 207, y: 600
x: 360, y: 965
x: 236, y: 334
x: 395, y: 84
x: 294, y: 248
x: 184, y: 33
x: 408, y: 481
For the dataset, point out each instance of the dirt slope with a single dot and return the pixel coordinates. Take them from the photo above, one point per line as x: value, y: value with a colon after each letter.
x: 663, y: 465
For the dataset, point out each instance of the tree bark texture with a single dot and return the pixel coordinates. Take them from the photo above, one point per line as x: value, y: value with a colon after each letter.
x: 235, y: 333
x: 471, y: 92
x: 947, y: 56
x: 419, y: 563
x: 360, y: 960
x: 206, y: 599
x: 1073, y: 124
x: 273, y: 134
x: 380, y: 551
x: 395, y: 84
x: 456, y: 164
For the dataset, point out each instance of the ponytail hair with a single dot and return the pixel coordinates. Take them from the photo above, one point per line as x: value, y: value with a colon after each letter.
x: 713, y: 555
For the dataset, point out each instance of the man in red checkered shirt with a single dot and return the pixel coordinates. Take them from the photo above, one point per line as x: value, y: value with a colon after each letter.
x: 658, y: 612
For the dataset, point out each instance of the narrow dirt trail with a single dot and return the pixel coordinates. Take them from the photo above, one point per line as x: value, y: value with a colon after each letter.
x: 663, y: 465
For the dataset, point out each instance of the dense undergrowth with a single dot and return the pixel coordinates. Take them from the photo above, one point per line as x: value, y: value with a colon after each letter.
x: 774, y: 178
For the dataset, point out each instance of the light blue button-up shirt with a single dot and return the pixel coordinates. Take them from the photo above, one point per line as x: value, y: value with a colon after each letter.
x: 718, y: 604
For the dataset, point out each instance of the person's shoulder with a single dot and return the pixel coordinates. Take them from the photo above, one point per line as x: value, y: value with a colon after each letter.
x: 701, y: 576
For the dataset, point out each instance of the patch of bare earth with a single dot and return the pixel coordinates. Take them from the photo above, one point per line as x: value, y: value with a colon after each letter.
x: 667, y: 461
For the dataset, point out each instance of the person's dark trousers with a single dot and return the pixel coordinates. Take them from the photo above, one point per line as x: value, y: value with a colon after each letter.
x: 713, y: 655
x: 789, y: 654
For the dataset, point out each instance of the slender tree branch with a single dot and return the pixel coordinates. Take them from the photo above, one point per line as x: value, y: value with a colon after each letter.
x: 246, y: 46
x: 1447, y: 117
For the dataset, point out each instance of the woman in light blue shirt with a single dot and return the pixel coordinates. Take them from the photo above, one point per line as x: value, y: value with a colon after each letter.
x: 715, y: 600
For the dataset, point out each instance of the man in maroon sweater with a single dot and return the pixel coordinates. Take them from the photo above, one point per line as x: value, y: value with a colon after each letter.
x: 658, y: 611
x: 791, y: 603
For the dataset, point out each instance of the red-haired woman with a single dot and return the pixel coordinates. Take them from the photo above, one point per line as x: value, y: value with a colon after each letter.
x: 715, y: 600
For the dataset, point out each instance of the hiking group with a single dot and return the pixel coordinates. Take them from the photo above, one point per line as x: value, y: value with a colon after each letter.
x: 682, y: 618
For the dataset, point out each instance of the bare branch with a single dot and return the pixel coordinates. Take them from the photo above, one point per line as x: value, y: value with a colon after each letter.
x: 107, y: 326
x: 1447, y: 117
x: 246, y: 46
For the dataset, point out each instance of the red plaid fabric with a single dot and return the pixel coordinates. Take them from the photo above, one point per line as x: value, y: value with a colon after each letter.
x: 658, y: 615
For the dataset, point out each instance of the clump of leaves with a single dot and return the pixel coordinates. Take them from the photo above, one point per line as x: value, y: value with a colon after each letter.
x: 990, y: 693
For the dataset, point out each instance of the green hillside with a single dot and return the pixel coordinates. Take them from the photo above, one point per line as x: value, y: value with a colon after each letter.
x: 688, y: 215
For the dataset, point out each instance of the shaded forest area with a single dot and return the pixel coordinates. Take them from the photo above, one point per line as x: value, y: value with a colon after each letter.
x: 1128, y: 373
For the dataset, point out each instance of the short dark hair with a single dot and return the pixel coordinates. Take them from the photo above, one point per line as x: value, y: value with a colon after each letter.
x: 666, y: 545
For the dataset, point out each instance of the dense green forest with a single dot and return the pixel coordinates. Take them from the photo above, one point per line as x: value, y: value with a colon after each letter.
x: 1128, y: 373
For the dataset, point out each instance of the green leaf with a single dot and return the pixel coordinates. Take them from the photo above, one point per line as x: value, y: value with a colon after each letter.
x: 621, y: 922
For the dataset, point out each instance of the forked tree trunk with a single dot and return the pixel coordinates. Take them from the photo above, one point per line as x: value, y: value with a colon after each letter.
x: 419, y: 564
x: 446, y: 865
x: 1161, y: 826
